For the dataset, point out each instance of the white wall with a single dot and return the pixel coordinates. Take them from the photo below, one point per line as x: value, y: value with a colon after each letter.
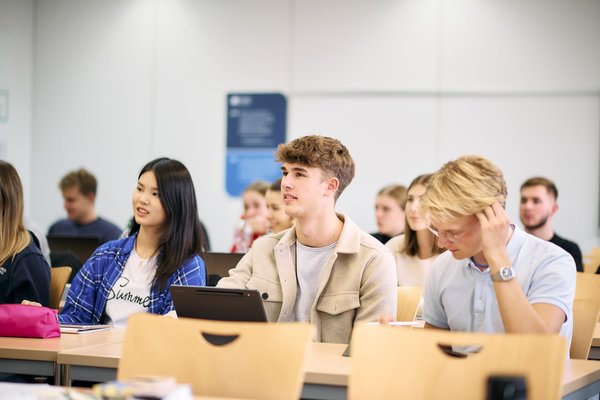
x: 94, y: 100
x: 407, y: 85
x: 16, y: 66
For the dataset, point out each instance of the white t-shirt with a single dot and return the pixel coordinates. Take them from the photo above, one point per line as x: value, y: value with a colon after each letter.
x: 131, y: 292
x: 310, y: 263
x: 412, y: 270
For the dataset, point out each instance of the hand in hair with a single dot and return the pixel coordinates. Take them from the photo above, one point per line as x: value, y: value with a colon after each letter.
x: 494, y: 235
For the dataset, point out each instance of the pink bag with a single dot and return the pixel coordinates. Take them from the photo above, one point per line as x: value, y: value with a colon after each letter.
x: 19, y: 320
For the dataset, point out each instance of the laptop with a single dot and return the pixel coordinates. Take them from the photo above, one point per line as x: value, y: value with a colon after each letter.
x: 73, y: 251
x: 221, y: 263
x: 218, y: 303
x: 80, y: 247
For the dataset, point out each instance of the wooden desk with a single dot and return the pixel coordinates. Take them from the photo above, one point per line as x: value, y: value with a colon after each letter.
x: 326, y: 370
x: 595, y: 349
x: 38, y: 356
x: 581, y: 379
x: 93, y: 363
x: 326, y: 374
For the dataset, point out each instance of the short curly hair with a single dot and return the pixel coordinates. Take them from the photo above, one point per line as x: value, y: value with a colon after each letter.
x: 326, y: 153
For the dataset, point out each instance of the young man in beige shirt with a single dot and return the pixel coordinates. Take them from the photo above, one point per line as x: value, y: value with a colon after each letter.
x: 325, y: 269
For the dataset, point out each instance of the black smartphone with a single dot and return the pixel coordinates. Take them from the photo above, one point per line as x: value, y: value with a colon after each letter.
x: 506, y: 388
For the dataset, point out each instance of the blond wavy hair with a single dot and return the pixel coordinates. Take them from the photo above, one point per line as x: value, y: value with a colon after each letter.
x: 13, y: 235
x: 463, y: 187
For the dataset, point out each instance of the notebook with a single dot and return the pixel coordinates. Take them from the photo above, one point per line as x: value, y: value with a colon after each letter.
x: 76, y: 328
x: 218, y: 303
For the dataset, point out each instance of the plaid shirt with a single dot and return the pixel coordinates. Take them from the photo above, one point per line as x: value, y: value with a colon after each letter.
x: 86, y: 301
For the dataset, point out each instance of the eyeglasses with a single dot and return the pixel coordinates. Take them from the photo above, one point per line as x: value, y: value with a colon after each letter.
x: 449, y: 236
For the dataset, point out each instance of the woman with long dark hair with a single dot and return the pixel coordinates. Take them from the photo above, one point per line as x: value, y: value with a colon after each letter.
x: 24, y: 273
x: 134, y: 274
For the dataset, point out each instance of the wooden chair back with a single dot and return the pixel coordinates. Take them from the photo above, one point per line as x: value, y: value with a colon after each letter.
x: 58, y: 280
x: 408, y: 302
x: 586, y: 311
x: 585, y: 317
x: 588, y: 286
x: 221, y: 359
x: 591, y: 261
x: 393, y: 363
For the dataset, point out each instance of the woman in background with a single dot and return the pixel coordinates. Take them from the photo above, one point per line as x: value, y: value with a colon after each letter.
x: 133, y: 274
x: 278, y: 219
x: 389, y: 212
x: 417, y: 248
x: 24, y: 273
x: 253, y: 222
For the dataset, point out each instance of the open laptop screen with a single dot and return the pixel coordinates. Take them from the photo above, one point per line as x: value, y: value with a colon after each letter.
x: 81, y: 247
x: 73, y: 251
x: 219, y: 264
x: 218, y: 303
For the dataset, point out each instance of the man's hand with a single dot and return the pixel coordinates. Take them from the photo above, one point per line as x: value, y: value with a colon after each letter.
x: 386, y: 319
x: 494, y: 235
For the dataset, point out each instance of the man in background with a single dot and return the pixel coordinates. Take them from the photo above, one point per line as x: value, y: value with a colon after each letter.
x: 79, y: 193
x: 538, y: 206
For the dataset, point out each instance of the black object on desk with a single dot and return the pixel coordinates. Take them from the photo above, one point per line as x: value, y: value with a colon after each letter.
x: 506, y: 388
x: 218, y: 303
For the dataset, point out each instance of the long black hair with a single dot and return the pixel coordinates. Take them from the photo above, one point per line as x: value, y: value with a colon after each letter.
x: 182, y: 233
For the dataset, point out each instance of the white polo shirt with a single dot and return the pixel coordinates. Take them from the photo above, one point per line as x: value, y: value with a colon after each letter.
x: 460, y: 297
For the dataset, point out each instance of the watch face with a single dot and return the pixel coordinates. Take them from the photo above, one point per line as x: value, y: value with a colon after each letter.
x: 506, y: 273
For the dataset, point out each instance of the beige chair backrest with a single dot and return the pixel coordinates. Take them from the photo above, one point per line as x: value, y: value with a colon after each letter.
x: 588, y: 286
x: 58, y: 280
x: 591, y: 261
x: 586, y: 310
x: 396, y: 363
x: 259, y: 360
x: 408, y: 302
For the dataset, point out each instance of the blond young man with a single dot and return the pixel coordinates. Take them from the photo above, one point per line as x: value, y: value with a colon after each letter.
x: 494, y: 277
x: 324, y: 270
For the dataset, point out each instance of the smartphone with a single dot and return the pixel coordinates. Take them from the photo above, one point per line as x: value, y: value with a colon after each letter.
x: 506, y: 388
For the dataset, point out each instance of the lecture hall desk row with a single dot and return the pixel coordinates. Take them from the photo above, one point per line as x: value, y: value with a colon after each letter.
x: 95, y: 356
x: 595, y: 350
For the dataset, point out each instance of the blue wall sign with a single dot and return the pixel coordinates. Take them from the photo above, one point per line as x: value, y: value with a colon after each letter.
x: 256, y: 124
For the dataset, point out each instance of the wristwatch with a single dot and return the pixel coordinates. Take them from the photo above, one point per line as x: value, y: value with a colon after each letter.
x: 504, y: 274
